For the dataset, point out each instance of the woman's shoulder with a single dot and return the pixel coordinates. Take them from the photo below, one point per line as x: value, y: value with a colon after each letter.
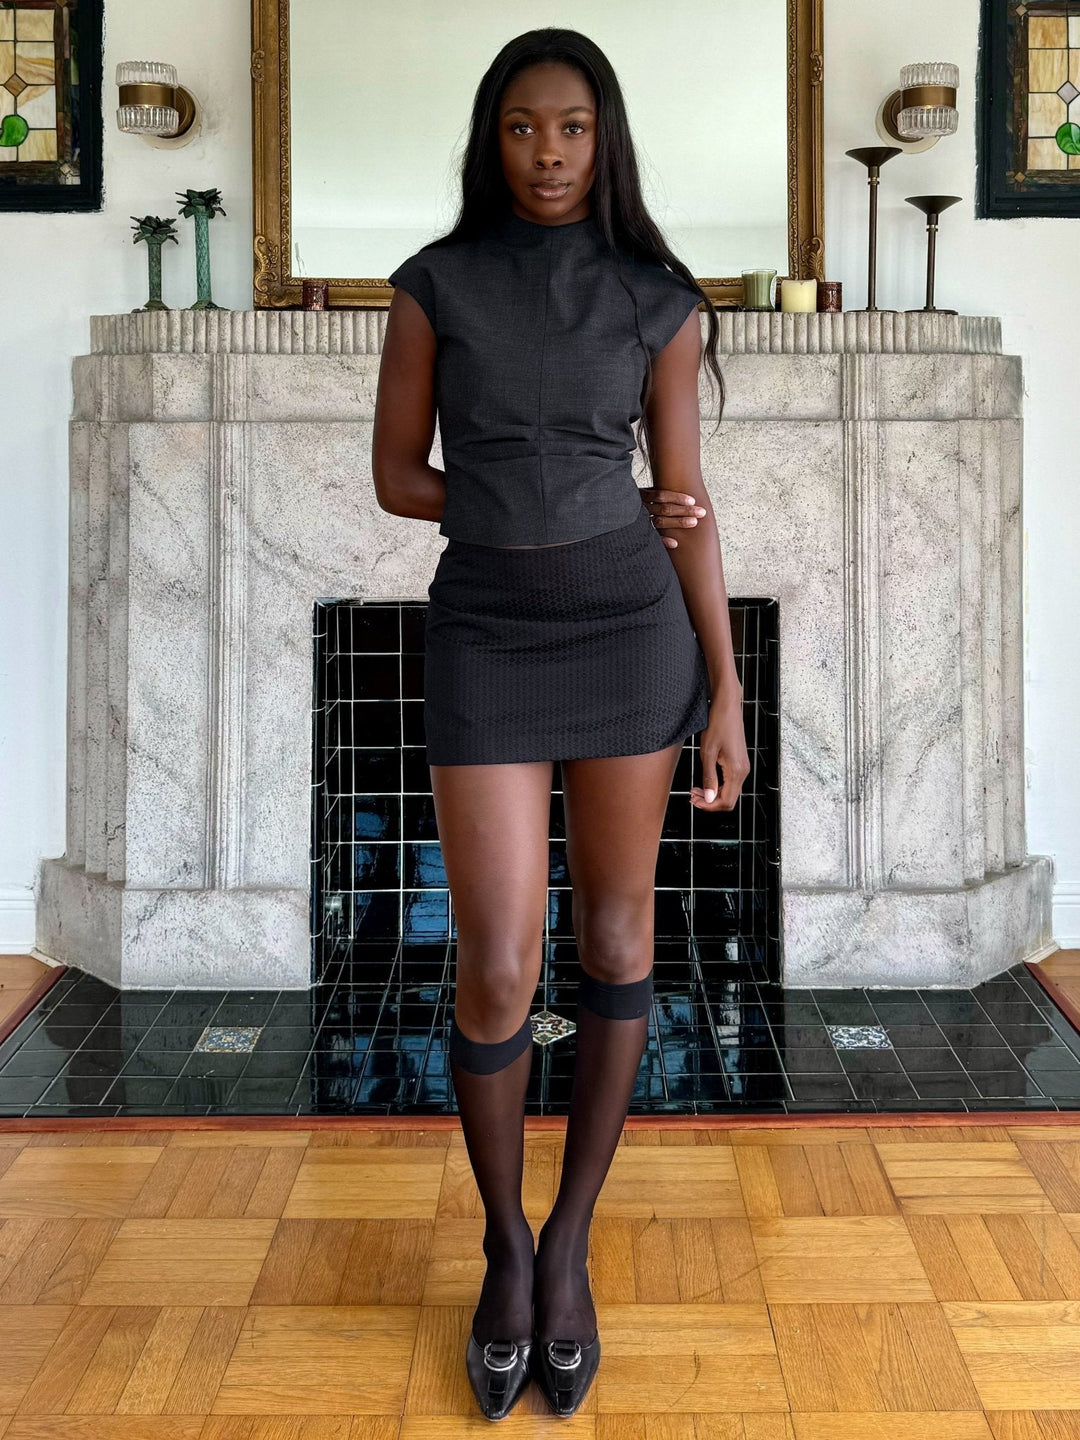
x: 424, y: 272
x: 665, y: 299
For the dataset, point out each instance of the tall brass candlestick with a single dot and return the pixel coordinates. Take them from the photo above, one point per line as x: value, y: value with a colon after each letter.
x: 873, y: 157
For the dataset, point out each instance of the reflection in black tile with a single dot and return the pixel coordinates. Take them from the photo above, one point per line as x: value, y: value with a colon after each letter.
x: 910, y: 1036
x: 822, y: 1088
x: 376, y: 868
x: 1003, y: 1085
x: 883, y: 1061
x: 928, y: 1060
x: 1054, y: 1056
x: 951, y: 1086
x: 841, y: 1007
x: 812, y: 1062
x: 876, y: 1085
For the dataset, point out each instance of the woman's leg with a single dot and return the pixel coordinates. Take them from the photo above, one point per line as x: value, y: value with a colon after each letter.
x: 614, y: 813
x: 493, y: 831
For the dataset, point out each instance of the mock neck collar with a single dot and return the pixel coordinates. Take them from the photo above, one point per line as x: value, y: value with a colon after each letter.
x: 516, y: 230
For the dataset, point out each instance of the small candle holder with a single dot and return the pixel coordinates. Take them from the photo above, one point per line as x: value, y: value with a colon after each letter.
x: 830, y: 296
x: 931, y: 206
x: 873, y: 157
x: 757, y: 289
x: 314, y: 294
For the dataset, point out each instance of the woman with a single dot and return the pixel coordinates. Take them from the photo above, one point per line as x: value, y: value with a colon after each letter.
x: 541, y: 328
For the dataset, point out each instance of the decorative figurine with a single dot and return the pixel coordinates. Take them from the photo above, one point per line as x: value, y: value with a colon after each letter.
x: 155, y: 231
x: 203, y: 205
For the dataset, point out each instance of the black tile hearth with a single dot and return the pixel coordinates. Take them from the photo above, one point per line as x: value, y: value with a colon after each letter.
x: 371, y: 1039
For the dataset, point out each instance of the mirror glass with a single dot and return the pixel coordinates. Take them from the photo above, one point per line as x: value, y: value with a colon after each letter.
x: 381, y: 96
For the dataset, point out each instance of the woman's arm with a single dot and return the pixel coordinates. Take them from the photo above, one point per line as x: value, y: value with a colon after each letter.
x: 405, y: 484
x: 675, y: 447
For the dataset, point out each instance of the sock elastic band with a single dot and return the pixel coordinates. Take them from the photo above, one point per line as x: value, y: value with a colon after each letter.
x: 615, y: 1002
x: 480, y: 1058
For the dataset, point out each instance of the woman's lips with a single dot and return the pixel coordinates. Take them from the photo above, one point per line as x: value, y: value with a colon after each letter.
x: 550, y: 190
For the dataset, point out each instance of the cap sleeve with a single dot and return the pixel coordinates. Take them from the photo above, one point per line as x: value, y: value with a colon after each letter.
x: 414, y: 275
x: 669, y: 299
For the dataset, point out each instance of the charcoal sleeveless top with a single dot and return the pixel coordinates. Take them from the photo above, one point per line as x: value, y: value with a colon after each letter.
x: 539, y: 369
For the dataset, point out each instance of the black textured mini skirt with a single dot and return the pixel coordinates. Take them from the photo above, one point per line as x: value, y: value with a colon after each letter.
x: 560, y: 652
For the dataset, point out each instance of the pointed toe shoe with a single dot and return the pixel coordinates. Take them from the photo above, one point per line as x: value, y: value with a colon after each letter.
x: 564, y: 1370
x: 498, y: 1373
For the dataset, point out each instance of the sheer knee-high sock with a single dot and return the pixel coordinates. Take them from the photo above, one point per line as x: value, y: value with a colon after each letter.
x: 490, y: 1081
x: 612, y: 1027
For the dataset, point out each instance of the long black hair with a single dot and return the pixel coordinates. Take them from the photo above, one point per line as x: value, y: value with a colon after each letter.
x: 617, y: 205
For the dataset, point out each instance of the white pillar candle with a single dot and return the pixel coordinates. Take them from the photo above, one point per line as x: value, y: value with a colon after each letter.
x: 798, y: 295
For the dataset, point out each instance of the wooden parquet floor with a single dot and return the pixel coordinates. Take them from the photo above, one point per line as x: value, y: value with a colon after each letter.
x: 751, y: 1284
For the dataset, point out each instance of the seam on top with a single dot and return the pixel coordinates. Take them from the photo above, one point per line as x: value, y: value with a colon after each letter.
x: 540, y: 389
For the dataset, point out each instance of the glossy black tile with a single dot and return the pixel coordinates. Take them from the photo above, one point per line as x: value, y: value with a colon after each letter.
x: 881, y: 1086
x: 374, y: 832
x: 716, y: 1044
x: 951, y: 1085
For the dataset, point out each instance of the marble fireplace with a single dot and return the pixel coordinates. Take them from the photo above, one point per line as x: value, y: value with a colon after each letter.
x: 867, y: 474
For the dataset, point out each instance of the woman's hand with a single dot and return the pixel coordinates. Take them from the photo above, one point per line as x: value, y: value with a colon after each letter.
x: 722, y: 744
x: 670, y: 509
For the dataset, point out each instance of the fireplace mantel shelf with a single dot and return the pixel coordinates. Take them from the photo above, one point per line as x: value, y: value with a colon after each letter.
x: 359, y: 332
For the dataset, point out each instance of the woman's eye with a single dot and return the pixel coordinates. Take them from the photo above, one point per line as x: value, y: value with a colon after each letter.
x: 520, y: 125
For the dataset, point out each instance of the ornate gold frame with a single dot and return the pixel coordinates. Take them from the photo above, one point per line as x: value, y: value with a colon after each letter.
x: 275, y: 288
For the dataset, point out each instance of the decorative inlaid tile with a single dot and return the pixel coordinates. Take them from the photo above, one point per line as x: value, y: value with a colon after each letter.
x: 233, y: 1039
x: 859, y: 1037
x: 547, y: 1026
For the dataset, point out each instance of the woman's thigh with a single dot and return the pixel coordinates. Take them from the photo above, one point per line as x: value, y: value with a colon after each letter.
x: 614, y: 808
x: 493, y: 825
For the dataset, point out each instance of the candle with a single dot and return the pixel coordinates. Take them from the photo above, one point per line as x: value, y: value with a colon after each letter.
x: 798, y: 295
x: 757, y: 289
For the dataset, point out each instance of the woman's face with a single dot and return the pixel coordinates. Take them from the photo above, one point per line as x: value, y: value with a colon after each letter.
x: 547, y: 141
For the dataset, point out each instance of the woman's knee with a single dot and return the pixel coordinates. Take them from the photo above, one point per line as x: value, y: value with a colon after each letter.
x: 494, y: 987
x: 615, y: 936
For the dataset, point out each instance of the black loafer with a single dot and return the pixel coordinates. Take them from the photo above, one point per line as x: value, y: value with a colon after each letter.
x: 564, y: 1370
x: 498, y: 1373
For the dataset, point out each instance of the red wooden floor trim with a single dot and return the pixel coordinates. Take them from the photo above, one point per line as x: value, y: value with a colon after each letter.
x: 33, y: 997
x: 930, y: 1120
x: 1060, y: 996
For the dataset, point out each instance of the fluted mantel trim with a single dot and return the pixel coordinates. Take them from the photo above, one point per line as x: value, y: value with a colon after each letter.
x: 359, y: 332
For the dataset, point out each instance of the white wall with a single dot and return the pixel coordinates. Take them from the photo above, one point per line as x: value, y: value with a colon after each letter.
x: 71, y: 266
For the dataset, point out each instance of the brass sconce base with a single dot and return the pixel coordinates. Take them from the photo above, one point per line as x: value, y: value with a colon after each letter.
x: 916, y: 95
x: 175, y: 95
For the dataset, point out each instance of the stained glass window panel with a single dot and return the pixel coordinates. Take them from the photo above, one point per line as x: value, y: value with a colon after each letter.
x: 1052, y: 35
x: 42, y: 109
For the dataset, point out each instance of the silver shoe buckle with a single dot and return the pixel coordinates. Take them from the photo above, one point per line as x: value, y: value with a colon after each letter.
x: 495, y: 1365
x: 564, y: 1364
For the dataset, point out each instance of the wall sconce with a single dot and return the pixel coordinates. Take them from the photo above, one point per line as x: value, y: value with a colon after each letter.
x: 923, y: 109
x: 154, y: 106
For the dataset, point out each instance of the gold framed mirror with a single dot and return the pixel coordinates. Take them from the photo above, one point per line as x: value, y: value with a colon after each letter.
x: 354, y: 167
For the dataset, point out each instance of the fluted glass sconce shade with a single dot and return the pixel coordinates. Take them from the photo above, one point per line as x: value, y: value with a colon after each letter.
x: 147, y: 119
x: 924, y: 108
x: 916, y: 122
x: 152, y: 102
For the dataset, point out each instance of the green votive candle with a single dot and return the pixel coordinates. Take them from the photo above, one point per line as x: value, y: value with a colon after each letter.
x: 757, y: 289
